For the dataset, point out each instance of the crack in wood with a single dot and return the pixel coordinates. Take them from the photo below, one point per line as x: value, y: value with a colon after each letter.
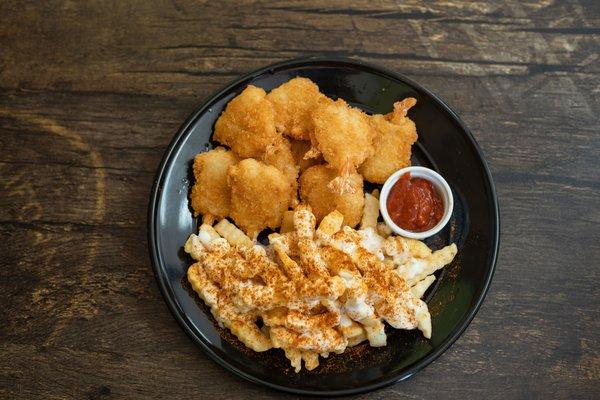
x: 562, y: 31
x: 75, y: 165
x: 65, y: 226
x: 533, y: 68
x: 182, y: 72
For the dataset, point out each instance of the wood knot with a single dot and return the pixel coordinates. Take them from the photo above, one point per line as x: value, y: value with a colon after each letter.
x: 101, y: 392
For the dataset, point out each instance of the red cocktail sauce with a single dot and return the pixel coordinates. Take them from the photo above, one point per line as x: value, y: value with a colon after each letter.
x: 414, y: 204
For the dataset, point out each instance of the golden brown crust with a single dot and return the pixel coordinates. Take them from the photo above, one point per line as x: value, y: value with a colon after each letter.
x: 293, y: 104
x: 280, y: 156
x: 400, y: 110
x: 211, y: 193
x: 314, y: 191
x: 247, y: 125
x: 260, y: 194
x: 392, y: 147
x: 342, y: 134
x: 299, y: 150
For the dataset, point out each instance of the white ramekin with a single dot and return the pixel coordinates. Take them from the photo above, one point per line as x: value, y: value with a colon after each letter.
x: 436, y: 180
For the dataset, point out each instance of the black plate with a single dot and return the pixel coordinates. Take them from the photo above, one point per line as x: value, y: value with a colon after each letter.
x: 444, y: 144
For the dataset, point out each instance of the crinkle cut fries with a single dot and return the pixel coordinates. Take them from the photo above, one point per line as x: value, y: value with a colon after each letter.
x: 316, y: 291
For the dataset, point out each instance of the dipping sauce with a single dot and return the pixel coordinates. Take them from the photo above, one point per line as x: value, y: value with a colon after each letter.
x: 414, y: 204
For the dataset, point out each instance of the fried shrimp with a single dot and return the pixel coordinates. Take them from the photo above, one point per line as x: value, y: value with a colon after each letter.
x: 260, y: 194
x: 211, y: 193
x: 280, y: 156
x: 344, y: 136
x: 247, y: 125
x: 314, y: 191
x: 396, y: 133
x: 398, y: 116
x: 293, y: 103
x: 299, y: 150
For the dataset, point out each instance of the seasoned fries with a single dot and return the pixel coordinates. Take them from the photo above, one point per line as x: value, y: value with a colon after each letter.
x: 232, y: 234
x: 311, y: 302
x: 370, y: 213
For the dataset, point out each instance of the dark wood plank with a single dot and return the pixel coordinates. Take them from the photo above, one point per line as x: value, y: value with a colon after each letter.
x: 92, y: 92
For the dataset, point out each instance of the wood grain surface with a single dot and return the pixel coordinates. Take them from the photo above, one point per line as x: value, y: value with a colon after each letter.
x: 92, y: 92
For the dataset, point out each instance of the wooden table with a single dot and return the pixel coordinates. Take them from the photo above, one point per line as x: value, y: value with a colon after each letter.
x: 92, y: 92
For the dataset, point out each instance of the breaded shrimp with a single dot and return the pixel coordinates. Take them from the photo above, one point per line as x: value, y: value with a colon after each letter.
x: 299, y: 150
x: 247, y: 125
x: 260, y: 194
x: 280, y: 156
x: 211, y: 193
x: 344, y: 136
x: 314, y: 191
x: 392, y: 144
x: 398, y: 116
x: 293, y: 103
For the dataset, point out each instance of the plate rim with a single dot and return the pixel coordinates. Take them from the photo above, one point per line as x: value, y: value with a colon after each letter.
x: 168, y: 296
